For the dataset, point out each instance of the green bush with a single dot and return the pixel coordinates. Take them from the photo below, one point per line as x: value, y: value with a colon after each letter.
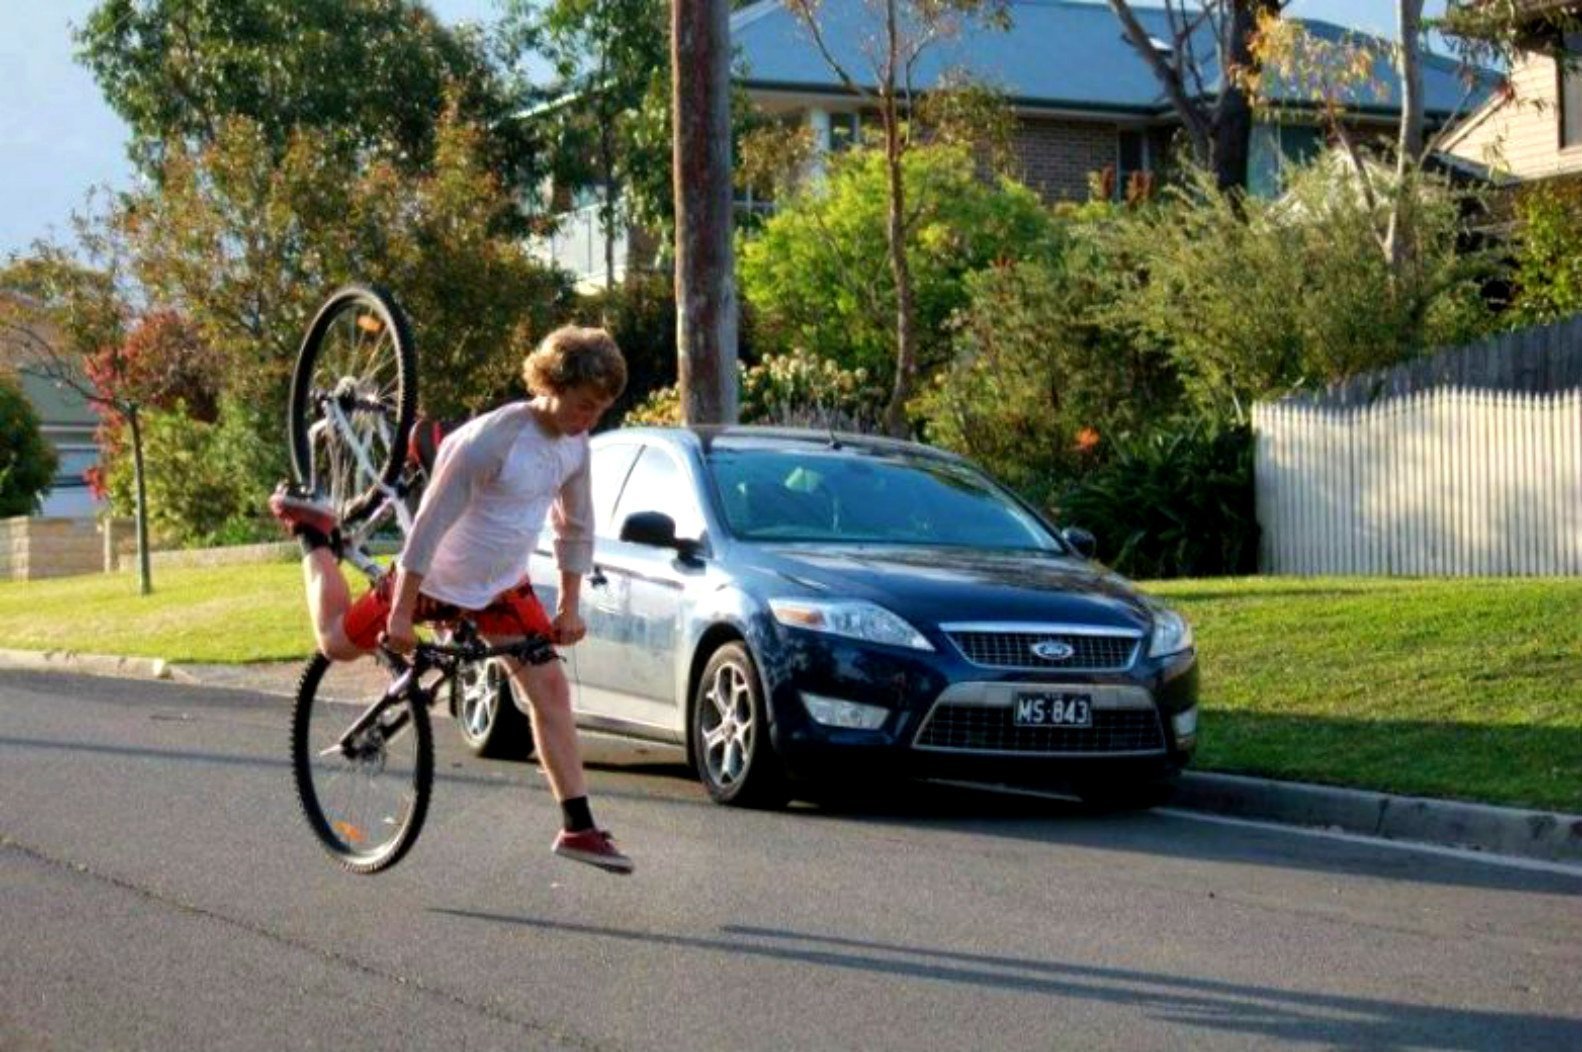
x: 207, y: 483
x: 27, y: 461
x: 641, y: 314
x: 792, y: 390
x: 1260, y: 298
x: 817, y: 276
x: 1034, y: 382
x: 1175, y: 502
x: 1548, y: 261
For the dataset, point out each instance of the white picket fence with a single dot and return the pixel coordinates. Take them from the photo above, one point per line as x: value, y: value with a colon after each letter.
x: 1445, y: 482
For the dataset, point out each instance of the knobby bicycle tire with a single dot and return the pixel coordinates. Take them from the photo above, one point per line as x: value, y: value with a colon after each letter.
x: 308, y: 796
x: 367, y: 306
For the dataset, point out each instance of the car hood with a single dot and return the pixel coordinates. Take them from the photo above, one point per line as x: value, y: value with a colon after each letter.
x: 938, y: 585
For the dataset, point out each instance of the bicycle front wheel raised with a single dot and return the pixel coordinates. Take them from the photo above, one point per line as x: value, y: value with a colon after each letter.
x: 364, y: 795
x: 353, y: 398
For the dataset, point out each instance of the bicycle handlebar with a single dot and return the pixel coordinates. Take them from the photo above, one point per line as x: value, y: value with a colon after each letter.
x: 534, y: 649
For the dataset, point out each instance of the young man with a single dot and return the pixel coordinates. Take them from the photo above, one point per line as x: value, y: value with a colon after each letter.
x: 494, y: 481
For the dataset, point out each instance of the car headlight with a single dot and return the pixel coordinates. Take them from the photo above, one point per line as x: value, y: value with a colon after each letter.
x: 853, y: 618
x: 1171, y: 634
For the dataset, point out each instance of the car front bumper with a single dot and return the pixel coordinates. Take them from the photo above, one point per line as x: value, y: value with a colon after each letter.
x: 951, y: 719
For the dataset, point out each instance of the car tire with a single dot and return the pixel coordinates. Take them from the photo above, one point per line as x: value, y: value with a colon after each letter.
x: 729, y: 731
x: 491, y: 725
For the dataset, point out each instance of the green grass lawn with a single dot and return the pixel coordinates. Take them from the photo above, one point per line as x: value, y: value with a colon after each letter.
x: 1464, y: 689
x: 1449, y: 688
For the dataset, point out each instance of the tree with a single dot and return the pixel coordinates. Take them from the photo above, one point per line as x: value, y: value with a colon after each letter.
x: 906, y: 30
x: 1330, y: 75
x: 247, y: 246
x: 813, y: 273
x: 379, y: 70
x: 27, y: 463
x: 63, y: 315
x: 1217, y: 118
x: 607, y: 56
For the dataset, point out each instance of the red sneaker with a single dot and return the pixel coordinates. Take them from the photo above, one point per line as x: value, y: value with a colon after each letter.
x: 294, y: 507
x: 594, y: 847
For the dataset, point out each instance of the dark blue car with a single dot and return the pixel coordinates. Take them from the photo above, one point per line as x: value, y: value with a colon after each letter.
x: 799, y: 607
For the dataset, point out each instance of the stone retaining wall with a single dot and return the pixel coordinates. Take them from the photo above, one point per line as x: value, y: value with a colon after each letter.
x: 34, y: 548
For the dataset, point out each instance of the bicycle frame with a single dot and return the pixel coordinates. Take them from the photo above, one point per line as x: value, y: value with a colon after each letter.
x: 392, y: 496
x: 407, y: 686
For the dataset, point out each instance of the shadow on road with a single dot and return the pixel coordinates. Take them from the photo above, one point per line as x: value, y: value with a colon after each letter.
x: 1335, y: 1020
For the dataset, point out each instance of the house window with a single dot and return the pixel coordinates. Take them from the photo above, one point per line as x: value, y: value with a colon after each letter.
x: 1133, y: 157
x: 845, y: 131
x: 1571, y: 92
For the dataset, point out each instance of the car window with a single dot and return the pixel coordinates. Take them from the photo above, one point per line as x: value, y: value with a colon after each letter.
x: 611, y: 463
x: 865, y: 497
x: 658, y: 483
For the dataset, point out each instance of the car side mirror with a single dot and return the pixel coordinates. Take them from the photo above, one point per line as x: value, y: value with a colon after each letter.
x: 1083, y: 542
x: 658, y: 530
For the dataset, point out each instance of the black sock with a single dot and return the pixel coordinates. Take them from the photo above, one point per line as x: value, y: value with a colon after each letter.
x: 310, y: 539
x: 575, y: 815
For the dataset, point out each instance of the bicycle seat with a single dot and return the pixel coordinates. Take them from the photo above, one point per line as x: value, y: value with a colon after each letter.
x: 423, y: 444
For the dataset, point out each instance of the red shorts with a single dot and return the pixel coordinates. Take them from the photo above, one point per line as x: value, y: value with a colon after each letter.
x: 513, y: 613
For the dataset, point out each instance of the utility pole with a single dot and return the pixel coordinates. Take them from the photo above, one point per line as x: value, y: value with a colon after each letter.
x: 705, y: 271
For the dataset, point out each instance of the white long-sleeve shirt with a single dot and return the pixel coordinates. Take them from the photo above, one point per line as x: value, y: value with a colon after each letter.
x: 495, y: 479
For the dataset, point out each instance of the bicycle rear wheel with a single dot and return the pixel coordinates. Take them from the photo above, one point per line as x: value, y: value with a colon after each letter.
x: 353, y: 397
x: 364, y: 798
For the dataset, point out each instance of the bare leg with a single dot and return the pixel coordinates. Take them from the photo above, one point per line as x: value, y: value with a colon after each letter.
x: 328, y: 601
x: 546, y: 688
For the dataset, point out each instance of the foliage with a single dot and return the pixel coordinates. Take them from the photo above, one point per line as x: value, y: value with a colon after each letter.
x: 816, y: 274
x: 1548, y: 257
x: 381, y: 71
x: 1172, y: 502
x: 206, y: 480
x: 27, y: 461
x: 641, y: 314
x: 60, y: 308
x: 1036, y: 382
x: 248, y: 246
x: 1255, y: 299
x: 793, y: 390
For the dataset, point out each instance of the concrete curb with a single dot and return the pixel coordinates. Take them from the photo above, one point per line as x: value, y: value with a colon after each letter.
x: 1550, y: 836
x: 94, y: 664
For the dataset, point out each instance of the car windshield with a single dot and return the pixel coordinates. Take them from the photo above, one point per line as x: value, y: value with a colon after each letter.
x: 862, y: 496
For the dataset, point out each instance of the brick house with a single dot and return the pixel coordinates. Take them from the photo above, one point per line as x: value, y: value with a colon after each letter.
x: 1084, y: 100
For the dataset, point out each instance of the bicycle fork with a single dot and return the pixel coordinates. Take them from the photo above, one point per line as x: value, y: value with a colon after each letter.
x: 405, y: 684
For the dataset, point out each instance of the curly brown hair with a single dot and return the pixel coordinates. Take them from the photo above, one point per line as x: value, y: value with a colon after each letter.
x: 574, y: 356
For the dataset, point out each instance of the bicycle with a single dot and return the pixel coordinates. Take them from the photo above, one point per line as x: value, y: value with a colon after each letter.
x: 364, y: 785
x: 352, y: 410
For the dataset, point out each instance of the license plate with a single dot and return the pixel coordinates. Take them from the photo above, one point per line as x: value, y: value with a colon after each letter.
x: 1054, y: 709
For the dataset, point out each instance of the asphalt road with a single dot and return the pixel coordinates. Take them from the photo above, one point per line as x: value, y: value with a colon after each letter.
x: 159, y: 890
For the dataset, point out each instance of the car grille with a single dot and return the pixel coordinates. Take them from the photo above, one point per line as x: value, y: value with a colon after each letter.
x: 1014, y: 650
x: 981, y: 728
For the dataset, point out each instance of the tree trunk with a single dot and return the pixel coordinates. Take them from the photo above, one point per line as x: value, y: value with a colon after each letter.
x: 705, y: 278
x: 1232, y: 124
x: 145, y: 580
x: 607, y: 170
x: 1398, y: 246
x: 895, y: 422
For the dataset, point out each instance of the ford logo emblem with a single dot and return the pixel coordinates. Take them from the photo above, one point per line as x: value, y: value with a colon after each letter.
x: 1052, y: 650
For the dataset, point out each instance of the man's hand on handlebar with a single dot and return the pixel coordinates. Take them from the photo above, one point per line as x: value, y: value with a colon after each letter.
x: 399, y: 635
x: 568, y: 628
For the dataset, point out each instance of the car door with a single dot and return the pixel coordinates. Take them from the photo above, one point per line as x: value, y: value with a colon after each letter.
x: 629, y: 679
x: 610, y: 463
